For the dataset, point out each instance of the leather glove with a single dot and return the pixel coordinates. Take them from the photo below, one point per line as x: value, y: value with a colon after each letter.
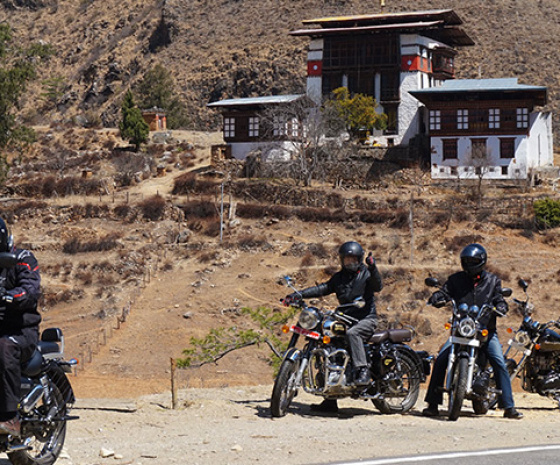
x: 502, y: 308
x: 5, y: 297
x: 438, y: 299
x: 292, y: 300
x: 370, y: 261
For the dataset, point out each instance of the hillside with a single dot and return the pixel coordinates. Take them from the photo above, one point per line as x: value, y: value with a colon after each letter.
x: 132, y: 271
x: 216, y: 49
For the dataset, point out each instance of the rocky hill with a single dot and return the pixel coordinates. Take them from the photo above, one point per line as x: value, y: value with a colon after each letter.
x: 239, y: 48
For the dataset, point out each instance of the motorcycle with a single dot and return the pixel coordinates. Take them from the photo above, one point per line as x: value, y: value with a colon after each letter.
x: 468, y: 375
x: 323, y: 366
x: 533, y: 353
x: 46, y: 399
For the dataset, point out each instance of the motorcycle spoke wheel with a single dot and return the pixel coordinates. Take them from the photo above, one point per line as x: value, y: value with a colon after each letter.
x: 400, y: 387
x: 458, y: 388
x: 284, y: 389
x: 45, y: 444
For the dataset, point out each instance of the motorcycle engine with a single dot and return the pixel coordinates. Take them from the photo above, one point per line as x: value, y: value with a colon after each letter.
x: 545, y: 371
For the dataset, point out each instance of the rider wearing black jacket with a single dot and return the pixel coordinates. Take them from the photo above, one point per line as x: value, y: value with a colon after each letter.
x: 473, y: 286
x: 19, y: 326
x: 354, y: 280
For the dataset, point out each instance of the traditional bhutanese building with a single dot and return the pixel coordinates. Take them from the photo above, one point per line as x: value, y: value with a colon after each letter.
x: 384, y: 56
x: 487, y: 127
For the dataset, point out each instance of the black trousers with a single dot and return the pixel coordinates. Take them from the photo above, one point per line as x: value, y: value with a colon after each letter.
x: 15, y: 348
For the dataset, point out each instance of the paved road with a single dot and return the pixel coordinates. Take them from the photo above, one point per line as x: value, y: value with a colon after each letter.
x: 512, y: 456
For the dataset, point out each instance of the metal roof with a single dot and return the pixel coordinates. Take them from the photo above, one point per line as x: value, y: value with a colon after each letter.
x: 267, y: 100
x: 440, y: 25
x: 482, y: 88
x: 479, y: 85
x: 448, y: 14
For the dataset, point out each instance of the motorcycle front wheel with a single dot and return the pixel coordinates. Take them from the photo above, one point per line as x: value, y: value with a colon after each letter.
x: 399, y: 387
x: 284, y: 389
x: 458, y: 388
x: 45, y: 441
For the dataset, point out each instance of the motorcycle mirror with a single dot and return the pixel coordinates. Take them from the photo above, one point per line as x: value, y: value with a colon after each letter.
x: 523, y: 284
x: 8, y: 260
x: 288, y: 279
x: 431, y: 282
x: 507, y: 291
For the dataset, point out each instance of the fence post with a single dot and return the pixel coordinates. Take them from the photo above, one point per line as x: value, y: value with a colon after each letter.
x: 174, y: 401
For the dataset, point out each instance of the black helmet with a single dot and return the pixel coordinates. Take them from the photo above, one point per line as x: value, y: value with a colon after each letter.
x: 351, y: 249
x: 6, y: 239
x: 473, y: 259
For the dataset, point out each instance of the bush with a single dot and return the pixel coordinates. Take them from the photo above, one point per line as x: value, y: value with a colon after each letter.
x: 547, y: 213
x: 74, y: 245
x: 153, y: 208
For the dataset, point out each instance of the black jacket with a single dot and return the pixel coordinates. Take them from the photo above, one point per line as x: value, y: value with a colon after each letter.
x: 23, y: 284
x: 461, y: 287
x: 348, y: 286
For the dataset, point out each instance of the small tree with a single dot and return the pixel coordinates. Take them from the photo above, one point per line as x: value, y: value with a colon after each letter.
x: 358, y: 111
x: 156, y: 89
x: 133, y: 127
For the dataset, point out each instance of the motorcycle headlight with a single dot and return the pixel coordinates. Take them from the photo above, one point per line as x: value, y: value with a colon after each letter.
x: 522, y: 338
x: 309, y: 318
x: 467, y: 327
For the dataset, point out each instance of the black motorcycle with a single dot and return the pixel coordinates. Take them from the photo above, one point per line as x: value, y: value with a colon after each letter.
x: 468, y: 373
x: 323, y: 367
x: 46, y: 399
x: 533, y: 352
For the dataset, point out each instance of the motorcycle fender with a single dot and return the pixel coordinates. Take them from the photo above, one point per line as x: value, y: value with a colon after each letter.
x: 418, y: 358
x: 292, y: 354
x: 58, y: 377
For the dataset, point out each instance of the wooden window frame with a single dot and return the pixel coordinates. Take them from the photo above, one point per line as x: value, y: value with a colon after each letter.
x: 435, y: 120
x: 522, y: 118
x: 229, y: 127
x: 450, y: 149
x: 505, y: 151
x: 463, y: 119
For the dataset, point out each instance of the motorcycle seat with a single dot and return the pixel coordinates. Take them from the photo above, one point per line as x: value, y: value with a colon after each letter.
x: 394, y: 335
x: 32, y: 367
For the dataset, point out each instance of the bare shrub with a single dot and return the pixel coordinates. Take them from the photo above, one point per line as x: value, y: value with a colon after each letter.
x: 457, y: 243
x: 188, y: 183
x: 207, y: 257
x: 75, y: 245
x: 200, y: 209
x: 250, y: 242
x: 212, y: 228
x: 307, y: 260
x: 153, y: 208
x: 86, y: 277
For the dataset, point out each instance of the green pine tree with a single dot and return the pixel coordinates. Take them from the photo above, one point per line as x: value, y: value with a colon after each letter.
x: 132, y: 126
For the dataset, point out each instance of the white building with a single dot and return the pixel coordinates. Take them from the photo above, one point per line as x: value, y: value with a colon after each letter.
x: 385, y: 56
x: 487, y: 128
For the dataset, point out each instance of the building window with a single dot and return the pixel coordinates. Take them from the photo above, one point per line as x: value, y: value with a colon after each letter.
x: 293, y: 127
x: 504, y: 170
x: 507, y: 147
x: 279, y: 128
x: 494, y: 118
x: 435, y: 120
x: 229, y: 128
x: 449, y: 149
x: 253, y: 126
x: 462, y: 119
x: 522, y: 118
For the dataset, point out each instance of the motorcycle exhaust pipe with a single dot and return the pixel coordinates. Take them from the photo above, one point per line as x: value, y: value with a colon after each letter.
x: 30, y: 401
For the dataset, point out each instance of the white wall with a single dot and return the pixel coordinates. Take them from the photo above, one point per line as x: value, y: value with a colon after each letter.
x: 271, y: 150
x: 532, y: 151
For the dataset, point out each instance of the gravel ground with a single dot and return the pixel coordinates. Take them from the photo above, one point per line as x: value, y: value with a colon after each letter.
x: 233, y: 426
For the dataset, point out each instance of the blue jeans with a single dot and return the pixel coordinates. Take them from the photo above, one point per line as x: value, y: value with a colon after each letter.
x: 493, y: 350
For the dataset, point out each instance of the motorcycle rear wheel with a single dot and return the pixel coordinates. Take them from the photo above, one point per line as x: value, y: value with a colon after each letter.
x: 46, y: 443
x: 284, y: 389
x: 400, y: 392
x: 458, y: 388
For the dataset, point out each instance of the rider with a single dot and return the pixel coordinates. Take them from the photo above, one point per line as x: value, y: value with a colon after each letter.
x: 354, y: 280
x: 19, y: 326
x: 473, y: 286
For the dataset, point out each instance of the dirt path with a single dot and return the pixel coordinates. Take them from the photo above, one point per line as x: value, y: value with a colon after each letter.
x: 233, y: 426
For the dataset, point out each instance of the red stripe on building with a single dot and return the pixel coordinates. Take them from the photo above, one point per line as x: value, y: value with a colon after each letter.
x: 314, y: 68
x: 415, y: 63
